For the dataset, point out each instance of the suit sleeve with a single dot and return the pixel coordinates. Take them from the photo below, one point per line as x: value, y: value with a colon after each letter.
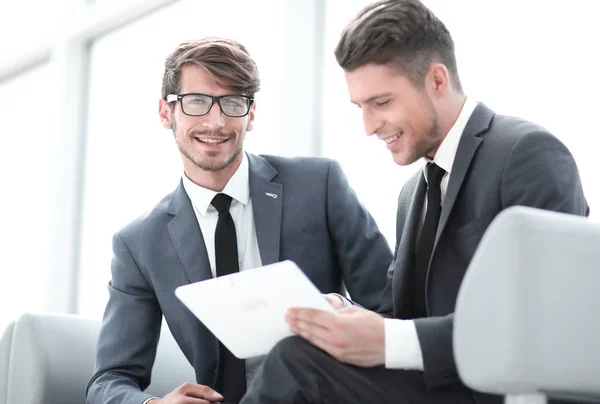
x: 386, y: 306
x: 128, y: 337
x: 363, y: 253
x: 539, y: 172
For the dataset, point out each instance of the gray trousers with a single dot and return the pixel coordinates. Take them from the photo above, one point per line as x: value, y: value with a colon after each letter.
x: 297, y: 372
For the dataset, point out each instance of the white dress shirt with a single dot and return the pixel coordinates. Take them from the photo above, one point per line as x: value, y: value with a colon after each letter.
x: 402, y: 347
x: 242, y: 213
x: 238, y: 188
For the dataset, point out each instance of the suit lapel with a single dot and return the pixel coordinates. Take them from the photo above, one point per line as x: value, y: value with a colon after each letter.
x: 408, y: 224
x: 267, y: 203
x: 469, y: 143
x: 187, y: 237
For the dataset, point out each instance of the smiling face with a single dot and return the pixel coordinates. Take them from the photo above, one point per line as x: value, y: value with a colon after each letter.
x: 394, y: 109
x: 212, y: 143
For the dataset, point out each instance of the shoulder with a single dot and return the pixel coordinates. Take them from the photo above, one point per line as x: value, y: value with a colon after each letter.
x: 511, y: 130
x: 145, y: 223
x: 509, y: 136
x: 305, y: 166
x: 530, y: 139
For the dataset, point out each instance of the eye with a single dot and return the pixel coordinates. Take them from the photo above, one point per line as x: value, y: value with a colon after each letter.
x: 197, y: 101
x: 233, y: 103
x: 380, y: 104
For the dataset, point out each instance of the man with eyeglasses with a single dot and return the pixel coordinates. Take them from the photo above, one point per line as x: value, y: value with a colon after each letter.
x: 231, y: 211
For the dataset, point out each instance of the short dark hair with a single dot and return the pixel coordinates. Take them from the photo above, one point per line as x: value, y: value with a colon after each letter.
x: 403, y: 32
x: 225, y: 60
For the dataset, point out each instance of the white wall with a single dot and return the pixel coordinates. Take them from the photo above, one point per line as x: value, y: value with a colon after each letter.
x: 69, y: 183
x: 531, y: 58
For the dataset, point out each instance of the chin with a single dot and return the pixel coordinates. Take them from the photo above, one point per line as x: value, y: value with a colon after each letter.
x: 402, y: 159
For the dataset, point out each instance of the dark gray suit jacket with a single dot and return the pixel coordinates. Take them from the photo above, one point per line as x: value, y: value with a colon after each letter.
x: 316, y: 221
x: 501, y: 161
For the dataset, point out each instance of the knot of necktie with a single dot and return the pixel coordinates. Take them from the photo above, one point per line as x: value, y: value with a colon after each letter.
x: 434, y: 173
x: 221, y: 202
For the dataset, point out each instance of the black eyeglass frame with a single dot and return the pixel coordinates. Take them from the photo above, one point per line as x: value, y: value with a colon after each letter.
x: 179, y: 97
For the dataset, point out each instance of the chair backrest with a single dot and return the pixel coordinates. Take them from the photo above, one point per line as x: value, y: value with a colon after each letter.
x: 5, y: 344
x: 527, y: 316
x: 49, y: 358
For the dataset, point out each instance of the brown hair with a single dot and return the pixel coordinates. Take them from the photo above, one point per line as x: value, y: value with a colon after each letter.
x: 225, y: 60
x: 403, y: 32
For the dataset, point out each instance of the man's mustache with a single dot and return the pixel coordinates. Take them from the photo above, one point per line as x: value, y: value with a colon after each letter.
x: 213, y: 133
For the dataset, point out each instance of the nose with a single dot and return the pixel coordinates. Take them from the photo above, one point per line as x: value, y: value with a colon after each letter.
x: 372, y: 124
x: 214, y: 119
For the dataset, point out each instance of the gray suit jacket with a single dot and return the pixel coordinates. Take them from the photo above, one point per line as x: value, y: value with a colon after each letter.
x: 316, y: 221
x: 500, y: 162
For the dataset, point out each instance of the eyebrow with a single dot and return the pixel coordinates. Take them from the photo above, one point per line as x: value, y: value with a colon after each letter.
x: 374, y: 97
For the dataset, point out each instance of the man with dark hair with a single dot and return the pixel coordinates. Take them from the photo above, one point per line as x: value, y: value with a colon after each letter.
x: 400, y: 69
x: 231, y: 211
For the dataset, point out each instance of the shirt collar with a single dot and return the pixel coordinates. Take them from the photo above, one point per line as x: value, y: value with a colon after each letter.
x: 444, y: 157
x: 238, y: 187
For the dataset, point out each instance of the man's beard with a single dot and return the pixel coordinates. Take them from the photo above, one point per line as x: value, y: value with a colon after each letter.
x: 431, y: 141
x: 431, y: 138
x: 210, y: 164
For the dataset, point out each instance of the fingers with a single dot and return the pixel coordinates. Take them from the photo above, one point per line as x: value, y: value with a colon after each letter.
x: 309, y: 331
x: 312, y: 316
x: 334, y: 345
x: 199, y: 391
x: 329, y: 337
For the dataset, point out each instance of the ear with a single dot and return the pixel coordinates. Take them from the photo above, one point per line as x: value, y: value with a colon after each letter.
x: 250, y: 123
x: 438, y: 80
x: 164, y: 110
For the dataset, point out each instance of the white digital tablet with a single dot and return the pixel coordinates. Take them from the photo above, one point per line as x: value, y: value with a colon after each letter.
x: 246, y: 310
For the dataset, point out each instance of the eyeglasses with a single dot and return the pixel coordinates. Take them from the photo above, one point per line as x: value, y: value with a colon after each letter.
x: 193, y: 104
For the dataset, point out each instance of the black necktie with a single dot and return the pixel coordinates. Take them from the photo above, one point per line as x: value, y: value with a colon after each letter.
x: 425, y: 244
x: 232, y: 372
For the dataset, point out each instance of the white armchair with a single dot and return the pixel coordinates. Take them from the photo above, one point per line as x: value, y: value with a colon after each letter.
x: 49, y: 359
x: 527, y: 320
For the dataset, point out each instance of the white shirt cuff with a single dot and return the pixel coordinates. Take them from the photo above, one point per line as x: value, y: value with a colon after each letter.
x: 148, y: 399
x: 402, y: 347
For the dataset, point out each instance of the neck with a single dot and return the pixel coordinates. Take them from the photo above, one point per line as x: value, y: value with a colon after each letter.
x: 450, y: 112
x: 213, y: 180
x: 447, y: 116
